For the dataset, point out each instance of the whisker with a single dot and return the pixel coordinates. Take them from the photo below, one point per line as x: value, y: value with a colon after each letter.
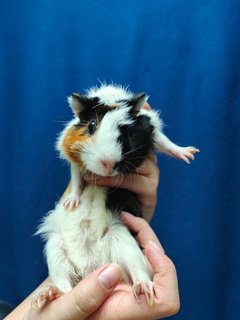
x: 129, y: 163
x: 131, y: 151
x: 120, y: 178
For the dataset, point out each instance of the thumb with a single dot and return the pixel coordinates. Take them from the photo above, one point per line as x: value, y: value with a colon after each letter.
x: 90, y: 293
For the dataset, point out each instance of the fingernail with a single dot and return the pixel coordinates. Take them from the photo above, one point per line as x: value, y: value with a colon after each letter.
x: 158, y: 247
x: 91, y: 177
x: 110, y: 276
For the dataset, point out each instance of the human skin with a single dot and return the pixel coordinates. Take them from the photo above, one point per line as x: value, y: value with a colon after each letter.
x: 107, y: 298
x: 121, y: 304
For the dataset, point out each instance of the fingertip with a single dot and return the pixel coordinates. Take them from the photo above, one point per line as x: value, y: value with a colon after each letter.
x: 127, y: 215
x: 155, y: 255
x: 133, y: 222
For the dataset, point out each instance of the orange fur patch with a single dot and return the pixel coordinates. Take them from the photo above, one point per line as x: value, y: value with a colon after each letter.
x: 72, y: 143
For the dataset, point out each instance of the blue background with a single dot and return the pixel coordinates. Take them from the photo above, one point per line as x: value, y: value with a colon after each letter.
x: 185, y: 55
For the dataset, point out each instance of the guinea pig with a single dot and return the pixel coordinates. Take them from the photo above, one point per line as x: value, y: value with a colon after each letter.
x: 111, y: 134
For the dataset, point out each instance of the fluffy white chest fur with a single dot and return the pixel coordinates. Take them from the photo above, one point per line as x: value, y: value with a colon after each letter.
x: 87, y: 237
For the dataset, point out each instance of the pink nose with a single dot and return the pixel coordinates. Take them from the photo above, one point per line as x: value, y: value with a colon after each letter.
x: 108, y: 165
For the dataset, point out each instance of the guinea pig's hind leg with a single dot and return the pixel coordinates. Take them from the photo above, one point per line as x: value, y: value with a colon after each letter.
x: 51, y: 292
x: 126, y: 252
x: 73, y: 199
x: 163, y: 144
x: 60, y: 270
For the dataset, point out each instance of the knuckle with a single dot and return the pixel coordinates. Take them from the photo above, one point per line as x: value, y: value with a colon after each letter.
x: 170, y: 266
x: 171, y: 308
x: 142, y: 223
x: 86, y: 303
x: 153, y: 189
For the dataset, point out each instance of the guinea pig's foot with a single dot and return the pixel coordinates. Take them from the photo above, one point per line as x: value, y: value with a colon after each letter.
x: 146, y: 288
x: 45, y: 295
x: 184, y: 153
x: 72, y: 201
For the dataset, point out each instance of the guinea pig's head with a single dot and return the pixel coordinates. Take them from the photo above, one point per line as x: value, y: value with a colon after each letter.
x: 112, y: 136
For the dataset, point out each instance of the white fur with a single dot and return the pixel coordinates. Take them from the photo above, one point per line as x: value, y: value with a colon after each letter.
x: 80, y: 241
x: 104, y: 145
x: 157, y: 124
x: 110, y: 94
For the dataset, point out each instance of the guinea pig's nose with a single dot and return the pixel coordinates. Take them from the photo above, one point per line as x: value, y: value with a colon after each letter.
x: 108, y: 165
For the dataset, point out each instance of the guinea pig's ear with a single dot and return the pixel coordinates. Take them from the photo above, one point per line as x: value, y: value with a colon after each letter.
x: 137, y: 102
x: 78, y: 102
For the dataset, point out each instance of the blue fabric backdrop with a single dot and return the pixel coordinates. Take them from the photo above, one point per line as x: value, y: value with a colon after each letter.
x: 185, y: 55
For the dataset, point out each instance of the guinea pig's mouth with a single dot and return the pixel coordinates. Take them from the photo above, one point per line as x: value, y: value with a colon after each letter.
x: 107, y: 168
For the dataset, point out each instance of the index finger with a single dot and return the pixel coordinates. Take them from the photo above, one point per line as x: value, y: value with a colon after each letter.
x: 144, y: 232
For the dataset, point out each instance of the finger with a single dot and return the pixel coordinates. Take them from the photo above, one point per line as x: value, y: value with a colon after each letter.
x: 144, y: 232
x: 149, y: 166
x: 153, y: 157
x: 148, y: 169
x: 138, y: 183
x: 84, y: 299
x: 165, y: 280
x: 155, y: 255
x: 90, y: 293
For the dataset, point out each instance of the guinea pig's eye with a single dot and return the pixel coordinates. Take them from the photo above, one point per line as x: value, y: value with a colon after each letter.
x: 92, y: 126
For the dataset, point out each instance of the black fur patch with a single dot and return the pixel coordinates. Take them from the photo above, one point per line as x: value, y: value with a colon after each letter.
x: 119, y: 200
x: 137, y: 142
x: 94, y: 110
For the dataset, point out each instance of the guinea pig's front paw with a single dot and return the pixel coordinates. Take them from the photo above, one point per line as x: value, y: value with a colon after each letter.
x: 45, y: 295
x: 184, y: 153
x: 146, y: 288
x: 72, y: 201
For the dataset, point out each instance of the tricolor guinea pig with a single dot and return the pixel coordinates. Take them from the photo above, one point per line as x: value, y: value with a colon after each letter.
x: 111, y: 134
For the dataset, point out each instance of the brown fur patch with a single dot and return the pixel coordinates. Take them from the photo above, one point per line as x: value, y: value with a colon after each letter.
x: 72, y: 143
x: 85, y: 224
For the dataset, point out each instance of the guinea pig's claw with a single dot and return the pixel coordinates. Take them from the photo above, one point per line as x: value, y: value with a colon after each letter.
x: 72, y: 202
x: 146, y: 288
x: 184, y: 153
x: 45, y: 295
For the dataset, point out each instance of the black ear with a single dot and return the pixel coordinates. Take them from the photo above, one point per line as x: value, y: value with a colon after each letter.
x: 78, y: 102
x: 137, y: 102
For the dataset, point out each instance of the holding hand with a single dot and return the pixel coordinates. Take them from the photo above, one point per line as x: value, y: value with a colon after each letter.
x: 121, y: 305
x: 143, y: 183
x: 101, y: 295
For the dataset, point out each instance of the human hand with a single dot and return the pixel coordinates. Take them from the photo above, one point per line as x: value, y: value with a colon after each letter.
x: 101, y: 296
x: 82, y: 300
x: 143, y: 182
x: 121, y: 305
